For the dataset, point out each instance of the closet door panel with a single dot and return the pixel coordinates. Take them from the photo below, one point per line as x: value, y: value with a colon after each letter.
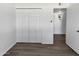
x: 28, y: 25
x: 21, y: 26
x: 34, y: 26
x: 25, y: 28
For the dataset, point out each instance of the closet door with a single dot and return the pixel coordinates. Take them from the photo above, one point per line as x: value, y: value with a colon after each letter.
x: 34, y: 26
x: 22, y: 25
x: 28, y: 26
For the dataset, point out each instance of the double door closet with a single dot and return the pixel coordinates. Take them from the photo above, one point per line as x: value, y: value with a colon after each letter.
x: 34, y: 25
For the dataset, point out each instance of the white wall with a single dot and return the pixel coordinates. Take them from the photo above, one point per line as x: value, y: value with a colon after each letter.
x: 72, y: 37
x: 7, y: 27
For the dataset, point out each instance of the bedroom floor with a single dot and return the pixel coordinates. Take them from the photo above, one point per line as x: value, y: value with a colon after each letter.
x: 59, y: 48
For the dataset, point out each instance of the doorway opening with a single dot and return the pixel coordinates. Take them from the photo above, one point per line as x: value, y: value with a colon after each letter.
x: 59, y: 25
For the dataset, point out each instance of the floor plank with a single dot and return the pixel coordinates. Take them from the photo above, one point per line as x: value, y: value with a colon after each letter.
x: 59, y: 48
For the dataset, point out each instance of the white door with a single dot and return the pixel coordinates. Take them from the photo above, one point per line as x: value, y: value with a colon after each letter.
x: 22, y: 27
x: 34, y: 25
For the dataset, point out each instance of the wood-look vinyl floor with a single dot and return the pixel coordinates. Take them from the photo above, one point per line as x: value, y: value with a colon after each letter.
x: 59, y: 48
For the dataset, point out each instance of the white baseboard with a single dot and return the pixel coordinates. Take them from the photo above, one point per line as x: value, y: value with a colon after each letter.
x: 4, y: 51
x: 72, y: 48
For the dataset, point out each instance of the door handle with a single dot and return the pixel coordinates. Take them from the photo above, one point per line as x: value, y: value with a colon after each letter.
x: 51, y: 21
x: 78, y: 31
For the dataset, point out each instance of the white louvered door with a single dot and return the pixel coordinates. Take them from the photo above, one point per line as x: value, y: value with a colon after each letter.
x: 28, y: 27
x: 34, y: 26
x: 22, y: 26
